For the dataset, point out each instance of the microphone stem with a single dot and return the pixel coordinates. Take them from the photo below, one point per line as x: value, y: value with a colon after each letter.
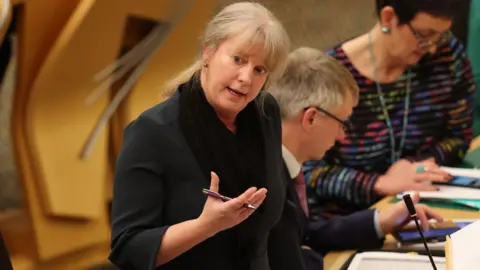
x: 425, y: 243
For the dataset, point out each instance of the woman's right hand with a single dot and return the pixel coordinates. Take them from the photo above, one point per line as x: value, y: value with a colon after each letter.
x: 219, y: 215
x: 403, y: 176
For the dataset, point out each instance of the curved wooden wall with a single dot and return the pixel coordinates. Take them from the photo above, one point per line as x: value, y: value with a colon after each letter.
x: 62, y: 45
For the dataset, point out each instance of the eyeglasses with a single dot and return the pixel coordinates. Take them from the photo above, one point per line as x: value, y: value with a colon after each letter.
x: 346, y: 125
x: 425, y: 43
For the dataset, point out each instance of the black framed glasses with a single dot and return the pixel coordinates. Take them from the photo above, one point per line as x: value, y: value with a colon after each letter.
x: 426, y: 43
x: 346, y: 125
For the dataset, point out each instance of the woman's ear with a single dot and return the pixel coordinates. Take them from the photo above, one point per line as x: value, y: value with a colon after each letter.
x: 388, y: 18
x: 207, y: 53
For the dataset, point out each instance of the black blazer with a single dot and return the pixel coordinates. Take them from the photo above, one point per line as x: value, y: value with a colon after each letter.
x: 5, y: 262
x: 159, y: 183
x: 355, y: 231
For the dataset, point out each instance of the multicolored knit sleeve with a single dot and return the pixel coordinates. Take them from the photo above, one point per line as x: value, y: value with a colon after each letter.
x: 334, y: 182
x: 451, y: 148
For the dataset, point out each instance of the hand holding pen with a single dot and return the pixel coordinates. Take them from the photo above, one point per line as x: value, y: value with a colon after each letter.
x: 221, y: 212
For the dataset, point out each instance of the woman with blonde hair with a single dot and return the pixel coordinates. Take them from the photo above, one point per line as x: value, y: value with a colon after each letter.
x: 216, y: 132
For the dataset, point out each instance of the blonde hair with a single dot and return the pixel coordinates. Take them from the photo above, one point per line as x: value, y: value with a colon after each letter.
x: 252, y: 23
x: 312, y: 78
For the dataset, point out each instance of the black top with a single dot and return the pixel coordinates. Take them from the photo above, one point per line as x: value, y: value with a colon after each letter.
x: 158, y: 182
x: 5, y: 262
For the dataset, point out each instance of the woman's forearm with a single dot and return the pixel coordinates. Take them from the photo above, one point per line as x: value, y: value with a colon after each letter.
x: 181, y: 237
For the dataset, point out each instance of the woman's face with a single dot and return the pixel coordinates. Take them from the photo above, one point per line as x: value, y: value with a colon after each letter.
x: 422, y: 35
x: 234, y: 76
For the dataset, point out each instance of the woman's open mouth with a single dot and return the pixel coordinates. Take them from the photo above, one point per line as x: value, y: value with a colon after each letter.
x: 235, y: 92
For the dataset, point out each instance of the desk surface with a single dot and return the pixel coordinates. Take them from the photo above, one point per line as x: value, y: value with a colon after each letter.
x: 335, y: 260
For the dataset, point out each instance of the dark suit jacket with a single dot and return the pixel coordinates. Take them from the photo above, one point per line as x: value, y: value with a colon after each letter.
x: 5, y: 262
x: 355, y: 231
x: 158, y: 183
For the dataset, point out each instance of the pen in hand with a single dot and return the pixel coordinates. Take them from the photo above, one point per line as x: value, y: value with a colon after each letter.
x: 225, y: 198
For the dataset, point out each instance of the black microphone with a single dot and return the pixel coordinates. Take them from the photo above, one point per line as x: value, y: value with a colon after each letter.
x: 413, y: 214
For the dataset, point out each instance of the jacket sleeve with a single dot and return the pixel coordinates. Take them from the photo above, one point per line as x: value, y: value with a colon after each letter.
x: 355, y: 231
x: 284, y: 241
x: 335, y: 182
x: 138, y: 197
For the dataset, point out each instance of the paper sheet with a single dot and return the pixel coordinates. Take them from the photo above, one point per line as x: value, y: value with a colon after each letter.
x: 448, y: 192
x: 466, y: 247
x: 473, y: 173
x: 394, y: 261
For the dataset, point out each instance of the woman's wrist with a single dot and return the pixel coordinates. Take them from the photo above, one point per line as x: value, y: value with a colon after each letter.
x: 205, y: 227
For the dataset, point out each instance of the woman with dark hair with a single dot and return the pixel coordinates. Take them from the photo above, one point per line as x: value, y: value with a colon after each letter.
x: 414, y: 113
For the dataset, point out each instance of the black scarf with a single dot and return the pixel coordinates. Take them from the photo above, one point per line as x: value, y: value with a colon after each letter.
x: 238, y: 159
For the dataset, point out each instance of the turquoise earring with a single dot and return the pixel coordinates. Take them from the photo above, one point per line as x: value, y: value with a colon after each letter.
x: 385, y: 30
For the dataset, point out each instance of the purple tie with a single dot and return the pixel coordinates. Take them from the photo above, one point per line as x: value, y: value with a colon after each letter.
x: 301, y: 191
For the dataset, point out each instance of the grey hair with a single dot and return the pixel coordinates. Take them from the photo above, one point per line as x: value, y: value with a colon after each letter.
x: 252, y: 23
x: 312, y: 78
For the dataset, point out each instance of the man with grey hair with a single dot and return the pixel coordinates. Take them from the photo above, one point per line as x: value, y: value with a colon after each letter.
x: 316, y: 95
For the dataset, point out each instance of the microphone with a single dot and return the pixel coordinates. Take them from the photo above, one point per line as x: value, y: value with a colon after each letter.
x: 413, y: 214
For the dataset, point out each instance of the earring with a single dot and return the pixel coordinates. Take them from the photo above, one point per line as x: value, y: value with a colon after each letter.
x: 385, y: 30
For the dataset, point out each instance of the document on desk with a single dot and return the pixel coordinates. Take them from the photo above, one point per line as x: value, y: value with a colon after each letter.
x: 394, y: 261
x: 465, y: 248
x: 449, y: 192
x: 472, y: 173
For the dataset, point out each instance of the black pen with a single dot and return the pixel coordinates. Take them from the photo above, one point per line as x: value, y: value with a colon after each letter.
x: 225, y: 198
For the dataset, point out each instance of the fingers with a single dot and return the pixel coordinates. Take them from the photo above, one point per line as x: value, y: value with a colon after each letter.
x: 423, y: 187
x: 258, y: 197
x: 415, y: 197
x: 238, y: 202
x: 256, y: 200
x: 425, y: 213
x: 432, y: 176
x: 214, y: 182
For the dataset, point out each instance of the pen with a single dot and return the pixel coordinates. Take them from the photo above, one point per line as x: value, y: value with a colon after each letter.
x: 225, y: 198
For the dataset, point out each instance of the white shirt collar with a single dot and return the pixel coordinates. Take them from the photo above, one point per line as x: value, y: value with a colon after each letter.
x: 291, y: 162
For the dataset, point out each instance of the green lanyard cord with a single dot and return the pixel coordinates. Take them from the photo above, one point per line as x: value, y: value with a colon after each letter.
x: 394, y: 154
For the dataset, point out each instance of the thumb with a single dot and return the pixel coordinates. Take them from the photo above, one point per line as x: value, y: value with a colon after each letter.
x: 415, y: 197
x: 214, y: 182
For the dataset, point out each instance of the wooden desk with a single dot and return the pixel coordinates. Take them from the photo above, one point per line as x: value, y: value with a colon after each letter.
x: 335, y: 260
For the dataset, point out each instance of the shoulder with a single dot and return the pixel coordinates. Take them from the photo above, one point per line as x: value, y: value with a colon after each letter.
x: 163, y: 113
x: 154, y: 124
x: 268, y: 107
x: 268, y: 102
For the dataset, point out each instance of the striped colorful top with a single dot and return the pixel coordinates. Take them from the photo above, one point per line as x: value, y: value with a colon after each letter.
x: 439, y: 125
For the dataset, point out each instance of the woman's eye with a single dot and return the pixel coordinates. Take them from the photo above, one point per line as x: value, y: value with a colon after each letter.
x: 260, y: 70
x: 237, y: 59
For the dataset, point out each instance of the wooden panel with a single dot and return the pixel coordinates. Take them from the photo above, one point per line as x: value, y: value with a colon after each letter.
x: 38, y: 27
x: 62, y: 45
x: 177, y: 53
x: 59, y: 121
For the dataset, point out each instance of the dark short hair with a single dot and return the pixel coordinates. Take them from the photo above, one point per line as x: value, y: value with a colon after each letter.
x: 407, y: 9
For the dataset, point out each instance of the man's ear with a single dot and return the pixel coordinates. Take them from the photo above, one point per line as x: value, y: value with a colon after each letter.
x: 308, y: 118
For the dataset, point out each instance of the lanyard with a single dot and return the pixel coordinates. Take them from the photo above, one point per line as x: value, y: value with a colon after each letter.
x: 394, y: 153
